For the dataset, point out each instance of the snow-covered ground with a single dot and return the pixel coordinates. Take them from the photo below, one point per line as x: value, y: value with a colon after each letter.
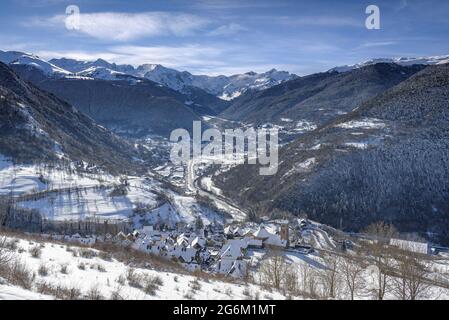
x: 367, y: 123
x: 67, y: 268
x: 74, y: 196
x: 10, y: 292
x: 22, y: 179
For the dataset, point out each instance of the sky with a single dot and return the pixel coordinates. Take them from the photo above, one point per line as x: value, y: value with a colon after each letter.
x: 227, y: 37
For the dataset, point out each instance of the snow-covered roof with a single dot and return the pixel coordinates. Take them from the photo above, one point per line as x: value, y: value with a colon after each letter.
x: 198, y: 241
x: 262, y: 233
x: 233, y: 248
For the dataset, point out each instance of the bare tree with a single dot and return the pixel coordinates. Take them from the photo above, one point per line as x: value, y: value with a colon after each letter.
x: 381, y: 256
x: 274, y: 269
x: 352, y: 269
x: 6, y: 255
x: 307, y: 280
x: 3, y: 247
x: 290, y: 282
x: 412, y: 277
x: 381, y: 232
x: 330, y: 277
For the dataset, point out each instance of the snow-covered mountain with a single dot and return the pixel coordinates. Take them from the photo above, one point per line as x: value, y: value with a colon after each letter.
x: 225, y: 87
x: 14, y: 57
x: 231, y: 87
x: 76, y: 66
x: 403, y: 61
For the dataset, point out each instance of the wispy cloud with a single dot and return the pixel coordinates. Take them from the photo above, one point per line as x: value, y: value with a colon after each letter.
x: 321, y: 21
x: 185, y: 58
x: 378, y: 44
x: 119, y: 26
x: 228, y: 29
x: 179, y: 57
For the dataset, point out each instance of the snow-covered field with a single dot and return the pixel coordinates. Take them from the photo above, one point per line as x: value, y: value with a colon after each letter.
x: 74, y: 196
x: 22, y: 179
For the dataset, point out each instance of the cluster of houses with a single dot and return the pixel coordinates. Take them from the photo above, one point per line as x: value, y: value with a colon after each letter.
x: 229, y: 250
x: 213, y: 249
x: 232, y: 250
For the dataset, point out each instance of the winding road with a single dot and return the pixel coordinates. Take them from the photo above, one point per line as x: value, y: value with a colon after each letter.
x: 192, y: 182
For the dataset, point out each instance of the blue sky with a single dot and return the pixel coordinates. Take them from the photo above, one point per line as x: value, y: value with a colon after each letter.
x: 227, y: 37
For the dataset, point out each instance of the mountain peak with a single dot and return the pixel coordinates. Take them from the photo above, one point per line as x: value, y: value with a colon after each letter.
x: 225, y: 87
x: 403, y: 61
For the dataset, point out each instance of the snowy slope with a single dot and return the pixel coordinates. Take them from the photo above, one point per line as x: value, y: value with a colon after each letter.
x: 403, y: 61
x: 10, y: 292
x: 109, y: 277
x: 14, y: 57
x: 72, y: 196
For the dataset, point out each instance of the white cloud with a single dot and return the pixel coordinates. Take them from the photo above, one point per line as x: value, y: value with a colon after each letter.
x: 184, y: 57
x: 77, y: 55
x: 321, y: 21
x: 228, y: 29
x: 378, y: 44
x: 196, y: 59
x: 118, y: 26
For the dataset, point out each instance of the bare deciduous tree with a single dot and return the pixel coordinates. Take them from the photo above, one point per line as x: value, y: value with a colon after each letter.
x: 307, y: 280
x: 352, y: 270
x: 412, y: 277
x: 330, y: 276
x: 274, y: 269
x: 5, y: 254
x: 290, y: 282
x: 381, y: 255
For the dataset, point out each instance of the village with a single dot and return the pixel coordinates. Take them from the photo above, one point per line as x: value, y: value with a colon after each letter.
x: 236, y: 249
x: 231, y: 250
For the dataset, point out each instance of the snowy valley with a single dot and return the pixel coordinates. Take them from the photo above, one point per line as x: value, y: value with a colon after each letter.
x: 91, y: 207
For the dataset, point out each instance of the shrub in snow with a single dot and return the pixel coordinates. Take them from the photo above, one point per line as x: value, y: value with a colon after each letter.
x: 5, y: 253
x: 43, y: 270
x: 20, y: 275
x: 158, y: 280
x: 64, y: 269
x: 134, y: 279
x: 94, y: 294
x: 11, y: 244
x: 150, y: 286
x: 59, y: 292
x: 188, y: 296
x: 247, y: 292
x: 121, y: 280
x: 116, y: 295
x: 35, y: 252
x: 99, y: 267
x: 72, y: 293
x: 87, y: 253
x: 82, y: 266
x: 105, y: 256
x: 195, y: 285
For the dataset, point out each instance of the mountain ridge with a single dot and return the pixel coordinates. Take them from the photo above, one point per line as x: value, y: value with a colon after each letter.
x: 38, y: 126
